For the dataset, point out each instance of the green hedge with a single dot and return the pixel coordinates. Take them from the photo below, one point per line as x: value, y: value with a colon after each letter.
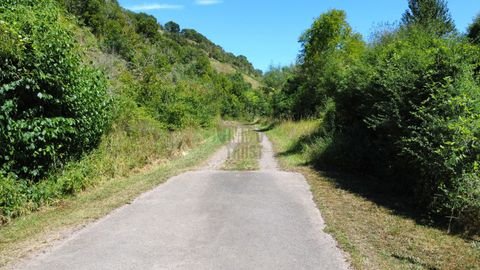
x: 411, y: 114
x: 405, y: 108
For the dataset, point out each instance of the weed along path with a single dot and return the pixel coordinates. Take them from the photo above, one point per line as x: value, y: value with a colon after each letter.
x: 237, y: 212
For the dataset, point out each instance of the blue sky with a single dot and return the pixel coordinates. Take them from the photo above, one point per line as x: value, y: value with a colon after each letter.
x: 267, y: 31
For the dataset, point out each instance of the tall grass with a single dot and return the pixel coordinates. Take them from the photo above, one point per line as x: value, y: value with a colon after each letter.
x: 134, y: 144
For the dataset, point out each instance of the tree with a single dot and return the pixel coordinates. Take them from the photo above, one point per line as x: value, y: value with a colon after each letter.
x: 91, y: 12
x: 433, y: 15
x: 474, y: 31
x: 172, y: 27
x: 329, y: 48
x: 147, y: 25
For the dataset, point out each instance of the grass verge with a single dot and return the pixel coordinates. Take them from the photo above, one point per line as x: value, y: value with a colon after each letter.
x: 246, y: 153
x: 376, y: 236
x: 37, y: 230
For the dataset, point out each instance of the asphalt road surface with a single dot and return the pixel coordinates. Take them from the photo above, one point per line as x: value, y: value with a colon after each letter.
x: 207, y: 219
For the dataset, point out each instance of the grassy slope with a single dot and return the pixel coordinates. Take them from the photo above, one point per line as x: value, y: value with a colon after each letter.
x: 39, y: 229
x: 229, y: 69
x: 376, y: 236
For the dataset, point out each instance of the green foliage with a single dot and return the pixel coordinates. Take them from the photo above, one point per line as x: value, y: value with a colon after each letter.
x: 411, y: 115
x: 172, y: 27
x: 13, y: 198
x: 239, y: 100
x: 444, y: 144
x: 405, y: 108
x: 329, y: 49
x: 147, y: 25
x: 277, y: 77
x: 432, y: 15
x: 53, y: 106
x: 183, y: 106
x: 277, y: 81
x: 216, y: 52
x: 474, y: 31
x: 91, y: 12
x: 61, y: 131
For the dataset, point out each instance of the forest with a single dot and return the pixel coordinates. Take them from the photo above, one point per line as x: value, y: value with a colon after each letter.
x: 85, y: 85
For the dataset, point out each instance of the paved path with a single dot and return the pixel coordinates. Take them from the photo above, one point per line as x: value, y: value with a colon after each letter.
x: 207, y: 219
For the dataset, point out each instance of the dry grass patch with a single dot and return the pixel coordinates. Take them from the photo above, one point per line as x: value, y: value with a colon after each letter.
x: 229, y: 69
x: 40, y: 229
x: 246, y: 153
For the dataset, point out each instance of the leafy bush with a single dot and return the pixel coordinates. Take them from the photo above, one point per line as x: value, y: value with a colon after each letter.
x: 411, y: 114
x: 329, y: 50
x: 13, y: 198
x: 147, y: 25
x: 405, y: 108
x: 474, y: 30
x: 53, y: 107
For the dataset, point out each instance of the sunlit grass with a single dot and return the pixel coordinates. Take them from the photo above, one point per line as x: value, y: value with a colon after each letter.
x: 31, y: 232
x: 246, y: 153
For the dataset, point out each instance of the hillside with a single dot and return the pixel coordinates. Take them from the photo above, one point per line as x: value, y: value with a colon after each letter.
x: 91, y: 91
x: 226, y: 68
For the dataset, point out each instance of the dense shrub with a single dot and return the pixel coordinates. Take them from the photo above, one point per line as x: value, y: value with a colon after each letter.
x: 329, y: 49
x: 474, y: 30
x: 53, y: 107
x: 147, y: 25
x: 13, y: 198
x: 411, y: 115
x: 183, y: 106
x: 405, y: 108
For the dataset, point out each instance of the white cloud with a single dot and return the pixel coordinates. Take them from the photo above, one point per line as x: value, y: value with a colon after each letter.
x: 208, y: 2
x: 147, y: 7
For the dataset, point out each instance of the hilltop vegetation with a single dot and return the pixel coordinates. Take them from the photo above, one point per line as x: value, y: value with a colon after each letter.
x: 403, y: 107
x: 90, y: 91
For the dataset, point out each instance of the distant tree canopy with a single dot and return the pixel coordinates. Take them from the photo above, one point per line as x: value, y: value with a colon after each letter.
x: 172, y: 27
x: 91, y: 12
x: 147, y: 25
x: 432, y: 15
x: 474, y: 30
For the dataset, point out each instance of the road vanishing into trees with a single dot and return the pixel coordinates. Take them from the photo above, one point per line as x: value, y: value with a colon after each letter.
x: 207, y: 219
